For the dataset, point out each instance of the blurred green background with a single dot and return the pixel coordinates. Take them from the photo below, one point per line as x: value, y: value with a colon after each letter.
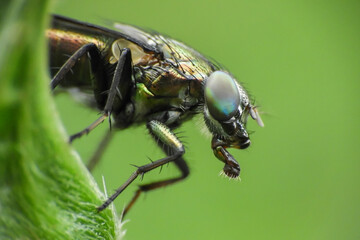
x: 300, y: 177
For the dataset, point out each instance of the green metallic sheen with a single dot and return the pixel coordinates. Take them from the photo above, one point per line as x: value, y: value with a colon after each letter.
x: 168, y: 74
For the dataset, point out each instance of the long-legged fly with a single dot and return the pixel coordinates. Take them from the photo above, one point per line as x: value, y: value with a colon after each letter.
x: 135, y: 77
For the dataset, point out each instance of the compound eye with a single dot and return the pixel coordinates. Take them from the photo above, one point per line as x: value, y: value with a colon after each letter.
x: 222, y: 96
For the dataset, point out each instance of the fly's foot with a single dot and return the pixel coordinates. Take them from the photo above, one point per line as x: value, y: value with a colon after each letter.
x: 231, y: 171
x: 78, y: 135
x: 89, y: 128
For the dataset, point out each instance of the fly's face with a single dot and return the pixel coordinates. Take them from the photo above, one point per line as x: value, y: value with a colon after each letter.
x: 227, y: 107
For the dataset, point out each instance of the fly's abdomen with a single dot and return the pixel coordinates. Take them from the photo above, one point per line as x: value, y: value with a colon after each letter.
x: 89, y: 76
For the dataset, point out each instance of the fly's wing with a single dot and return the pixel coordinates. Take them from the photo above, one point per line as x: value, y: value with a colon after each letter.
x: 189, y: 63
x: 139, y: 35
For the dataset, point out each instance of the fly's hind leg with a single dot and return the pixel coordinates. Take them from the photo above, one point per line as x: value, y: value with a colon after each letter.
x: 95, y: 57
x: 175, y: 151
x: 89, y: 48
x: 122, y: 75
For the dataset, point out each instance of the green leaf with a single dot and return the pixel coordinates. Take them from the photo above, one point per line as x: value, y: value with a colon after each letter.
x: 45, y: 190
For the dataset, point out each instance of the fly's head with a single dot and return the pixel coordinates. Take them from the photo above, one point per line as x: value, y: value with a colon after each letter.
x: 226, y: 110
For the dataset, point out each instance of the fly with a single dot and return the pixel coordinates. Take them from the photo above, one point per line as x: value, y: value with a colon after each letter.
x: 134, y: 77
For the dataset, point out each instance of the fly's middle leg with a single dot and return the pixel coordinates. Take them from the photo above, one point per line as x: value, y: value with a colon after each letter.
x: 100, y: 150
x: 176, y: 150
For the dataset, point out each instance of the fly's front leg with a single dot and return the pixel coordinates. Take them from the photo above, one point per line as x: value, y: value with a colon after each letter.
x: 162, y: 133
x: 123, y: 72
x: 232, y: 167
x: 182, y: 166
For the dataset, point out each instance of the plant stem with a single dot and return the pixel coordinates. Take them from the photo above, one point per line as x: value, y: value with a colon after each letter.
x: 45, y: 190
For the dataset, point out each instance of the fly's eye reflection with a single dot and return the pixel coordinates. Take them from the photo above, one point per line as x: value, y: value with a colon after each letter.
x: 135, y: 77
x: 222, y: 96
